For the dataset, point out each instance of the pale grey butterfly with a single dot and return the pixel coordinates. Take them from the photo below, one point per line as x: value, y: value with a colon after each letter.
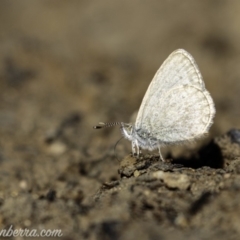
x: 176, y: 108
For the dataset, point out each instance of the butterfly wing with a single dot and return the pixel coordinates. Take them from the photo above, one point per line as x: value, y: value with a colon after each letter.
x: 178, y: 69
x: 185, y: 114
x: 176, y: 106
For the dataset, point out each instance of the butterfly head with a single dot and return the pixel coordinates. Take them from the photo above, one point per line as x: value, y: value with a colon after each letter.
x: 127, y: 130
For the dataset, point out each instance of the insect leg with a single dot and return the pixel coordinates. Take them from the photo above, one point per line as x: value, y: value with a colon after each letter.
x: 133, y: 148
x: 160, y: 155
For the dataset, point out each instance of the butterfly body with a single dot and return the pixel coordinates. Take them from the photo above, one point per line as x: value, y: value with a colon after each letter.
x: 139, y: 137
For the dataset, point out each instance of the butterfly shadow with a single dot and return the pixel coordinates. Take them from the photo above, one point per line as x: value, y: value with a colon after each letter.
x: 208, y: 156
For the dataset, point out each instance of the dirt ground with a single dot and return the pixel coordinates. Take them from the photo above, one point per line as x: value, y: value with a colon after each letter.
x: 65, y: 66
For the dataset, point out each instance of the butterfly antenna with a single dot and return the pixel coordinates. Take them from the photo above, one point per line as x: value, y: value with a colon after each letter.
x: 104, y: 125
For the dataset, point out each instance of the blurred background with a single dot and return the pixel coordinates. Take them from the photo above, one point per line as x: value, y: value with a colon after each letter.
x: 66, y: 65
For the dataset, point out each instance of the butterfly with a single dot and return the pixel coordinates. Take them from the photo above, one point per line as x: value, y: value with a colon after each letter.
x: 176, y: 107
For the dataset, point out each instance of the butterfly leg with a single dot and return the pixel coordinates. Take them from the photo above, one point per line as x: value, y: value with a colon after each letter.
x: 135, y: 148
x: 160, y: 155
x: 139, y: 151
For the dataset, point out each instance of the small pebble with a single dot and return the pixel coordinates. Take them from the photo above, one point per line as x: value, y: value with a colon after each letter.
x: 136, y: 173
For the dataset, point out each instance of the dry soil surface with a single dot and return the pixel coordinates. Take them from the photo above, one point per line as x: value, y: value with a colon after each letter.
x: 65, y: 66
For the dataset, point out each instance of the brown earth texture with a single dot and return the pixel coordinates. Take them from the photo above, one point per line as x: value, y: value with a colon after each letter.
x: 67, y: 65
